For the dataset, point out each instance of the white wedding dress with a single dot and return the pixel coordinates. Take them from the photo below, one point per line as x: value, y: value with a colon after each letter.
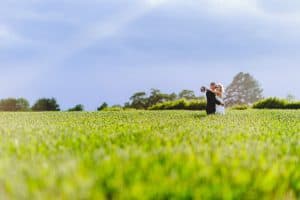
x: 220, y: 110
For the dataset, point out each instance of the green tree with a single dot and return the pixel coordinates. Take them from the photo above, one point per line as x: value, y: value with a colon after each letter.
x: 77, y: 108
x: 45, y: 104
x: 187, y: 94
x: 201, y: 98
x: 23, y: 104
x: 103, y: 106
x: 171, y: 97
x: 139, y: 100
x: 12, y: 104
x: 127, y: 105
x: 244, y: 89
x: 156, y: 96
x: 290, y: 98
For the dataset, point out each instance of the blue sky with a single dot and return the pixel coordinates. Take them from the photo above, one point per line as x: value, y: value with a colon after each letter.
x: 90, y: 51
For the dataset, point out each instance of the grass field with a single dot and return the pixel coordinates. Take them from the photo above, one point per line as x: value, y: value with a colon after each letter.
x: 150, y: 155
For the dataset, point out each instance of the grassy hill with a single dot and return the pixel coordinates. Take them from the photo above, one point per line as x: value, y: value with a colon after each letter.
x: 150, y: 155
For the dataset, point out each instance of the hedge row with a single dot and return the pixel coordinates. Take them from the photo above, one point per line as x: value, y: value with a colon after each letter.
x: 275, y: 103
x: 181, y: 104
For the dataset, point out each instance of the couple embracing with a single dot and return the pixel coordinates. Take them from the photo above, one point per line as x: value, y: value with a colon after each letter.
x: 214, y: 96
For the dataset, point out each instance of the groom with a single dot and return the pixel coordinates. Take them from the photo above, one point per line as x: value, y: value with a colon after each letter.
x: 212, y: 101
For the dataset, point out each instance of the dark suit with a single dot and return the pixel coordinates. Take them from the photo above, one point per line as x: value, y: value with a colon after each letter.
x: 211, y: 102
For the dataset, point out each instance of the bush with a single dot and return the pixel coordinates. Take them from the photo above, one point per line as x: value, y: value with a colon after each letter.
x: 293, y: 105
x: 102, y: 107
x: 46, y: 105
x: 271, y: 103
x: 12, y: 104
x: 239, y: 107
x: 197, y: 105
x: 181, y: 104
x: 77, y: 108
x: 276, y: 103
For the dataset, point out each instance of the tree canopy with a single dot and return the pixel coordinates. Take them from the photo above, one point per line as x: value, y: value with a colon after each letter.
x: 187, y: 94
x: 140, y: 100
x: 244, y: 89
x: 45, y: 104
x: 78, y: 107
x: 12, y: 104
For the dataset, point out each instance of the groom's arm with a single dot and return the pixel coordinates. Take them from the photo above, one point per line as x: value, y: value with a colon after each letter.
x: 214, y: 96
x: 218, y: 102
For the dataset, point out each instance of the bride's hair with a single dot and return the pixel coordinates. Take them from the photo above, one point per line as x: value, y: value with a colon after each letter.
x: 221, y: 88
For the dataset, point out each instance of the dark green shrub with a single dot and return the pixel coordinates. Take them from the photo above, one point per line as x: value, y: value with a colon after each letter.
x: 197, y: 105
x: 12, y: 104
x: 77, y: 108
x: 45, y: 104
x: 239, y: 107
x: 275, y: 103
x: 181, y: 104
x: 293, y: 105
x: 271, y: 103
x: 102, y: 107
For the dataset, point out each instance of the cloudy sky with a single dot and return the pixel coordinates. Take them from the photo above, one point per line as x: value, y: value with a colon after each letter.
x: 90, y: 51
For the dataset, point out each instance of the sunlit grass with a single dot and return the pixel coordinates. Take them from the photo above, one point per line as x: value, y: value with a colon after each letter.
x: 150, y: 155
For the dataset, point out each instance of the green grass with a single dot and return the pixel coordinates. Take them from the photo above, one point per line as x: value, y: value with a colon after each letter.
x: 150, y: 155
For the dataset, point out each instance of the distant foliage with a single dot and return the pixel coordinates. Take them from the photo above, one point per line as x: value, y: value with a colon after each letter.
x: 187, y: 94
x: 45, y: 104
x: 244, y: 89
x: 156, y: 96
x: 240, y: 107
x: 271, y: 103
x: 77, y: 108
x: 141, y: 100
x: 102, y: 107
x: 290, y: 98
x: 114, y: 108
x: 293, y: 105
x: 12, y: 104
x: 181, y: 104
x: 138, y: 100
x: 276, y: 103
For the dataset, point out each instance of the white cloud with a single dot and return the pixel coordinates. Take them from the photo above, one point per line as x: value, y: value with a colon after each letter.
x: 254, y: 8
x: 282, y: 22
x: 95, y: 31
x: 154, y: 3
x: 229, y: 7
x: 232, y: 7
x: 9, y: 37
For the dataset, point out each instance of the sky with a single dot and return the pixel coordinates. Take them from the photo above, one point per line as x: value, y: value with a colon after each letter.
x: 93, y: 51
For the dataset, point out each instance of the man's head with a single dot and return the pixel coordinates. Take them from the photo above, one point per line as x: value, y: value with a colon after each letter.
x: 213, y: 85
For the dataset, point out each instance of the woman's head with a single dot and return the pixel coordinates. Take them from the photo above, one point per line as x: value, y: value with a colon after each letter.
x: 220, y: 88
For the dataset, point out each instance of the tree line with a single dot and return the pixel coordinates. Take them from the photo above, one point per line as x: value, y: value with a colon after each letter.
x: 141, y: 100
x: 243, y: 90
x: 22, y: 104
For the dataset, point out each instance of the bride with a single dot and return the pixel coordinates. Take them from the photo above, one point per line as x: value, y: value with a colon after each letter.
x: 219, y: 91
